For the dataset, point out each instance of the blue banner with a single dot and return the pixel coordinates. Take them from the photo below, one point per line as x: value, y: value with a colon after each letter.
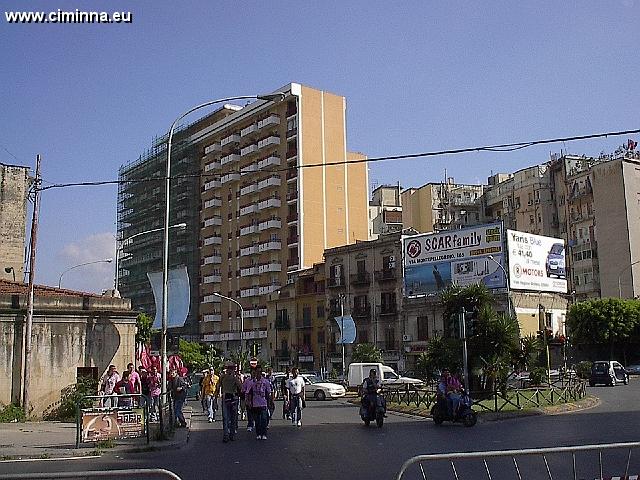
x: 179, y: 299
x: 347, y: 329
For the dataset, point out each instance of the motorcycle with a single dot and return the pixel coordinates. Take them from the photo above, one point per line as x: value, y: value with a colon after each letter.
x: 373, y: 409
x: 464, y: 413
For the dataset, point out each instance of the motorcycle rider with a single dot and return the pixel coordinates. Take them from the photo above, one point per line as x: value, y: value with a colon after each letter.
x: 370, y: 388
x: 454, y: 394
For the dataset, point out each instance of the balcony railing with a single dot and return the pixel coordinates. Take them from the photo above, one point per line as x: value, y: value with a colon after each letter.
x: 248, y: 130
x: 233, y: 138
x: 213, y: 240
x: 389, y: 309
x: 265, y: 142
x: 248, y: 150
x: 230, y: 177
x: 385, y: 275
x: 266, y: 225
x: 361, y: 278
x: 213, y: 202
x: 270, y: 120
x: 232, y: 157
x: 214, y: 147
x: 214, y: 165
x: 292, y: 174
x: 269, y: 161
x: 249, y: 189
x: 248, y: 230
x: 334, y: 282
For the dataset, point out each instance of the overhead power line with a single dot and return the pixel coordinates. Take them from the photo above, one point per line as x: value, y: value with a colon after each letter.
x: 504, y: 147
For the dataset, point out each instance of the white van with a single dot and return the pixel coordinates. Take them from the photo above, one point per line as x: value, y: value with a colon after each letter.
x: 359, y: 371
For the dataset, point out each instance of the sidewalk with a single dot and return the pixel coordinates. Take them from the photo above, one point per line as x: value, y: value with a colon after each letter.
x: 58, y: 440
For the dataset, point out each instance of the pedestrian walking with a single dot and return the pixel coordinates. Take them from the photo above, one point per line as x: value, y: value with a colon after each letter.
x: 258, y: 397
x: 208, y: 392
x: 108, y: 385
x: 144, y: 385
x: 228, y: 390
x: 203, y: 400
x: 134, y: 379
x: 178, y: 388
x: 246, y: 406
x: 284, y: 393
x: 295, y: 387
x: 272, y: 398
x: 154, y: 380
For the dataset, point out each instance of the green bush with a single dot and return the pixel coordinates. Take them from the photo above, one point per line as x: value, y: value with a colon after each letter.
x: 583, y: 369
x: 11, y: 413
x: 536, y: 375
x: 72, y: 396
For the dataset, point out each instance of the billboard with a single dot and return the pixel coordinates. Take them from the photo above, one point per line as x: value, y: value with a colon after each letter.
x: 105, y: 424
x: 536, y: 262
x: 433, y: 261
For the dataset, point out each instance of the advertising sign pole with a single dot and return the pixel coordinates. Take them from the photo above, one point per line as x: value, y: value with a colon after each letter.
x: 344, y: 373
x: 463, y: 333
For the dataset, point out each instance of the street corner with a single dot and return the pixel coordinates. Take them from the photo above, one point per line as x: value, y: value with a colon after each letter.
x: 588, y: 402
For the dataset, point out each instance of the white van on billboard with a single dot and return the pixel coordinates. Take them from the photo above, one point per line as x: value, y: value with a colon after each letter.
x: 536, y: 262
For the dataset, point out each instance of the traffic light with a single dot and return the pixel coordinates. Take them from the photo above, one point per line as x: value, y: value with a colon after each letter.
x: 470, y: 319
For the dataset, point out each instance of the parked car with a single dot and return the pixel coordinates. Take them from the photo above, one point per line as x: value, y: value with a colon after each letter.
x: 314, y: 387
x: 608, y: 372
x: 633, y: 369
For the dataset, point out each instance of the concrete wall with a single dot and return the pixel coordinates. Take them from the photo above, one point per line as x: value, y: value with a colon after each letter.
x: 63, y: 339
x: 14, y: 185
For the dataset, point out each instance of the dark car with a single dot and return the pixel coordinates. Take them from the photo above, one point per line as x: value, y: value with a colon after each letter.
x: 608, y: 373
x: 633, y: 369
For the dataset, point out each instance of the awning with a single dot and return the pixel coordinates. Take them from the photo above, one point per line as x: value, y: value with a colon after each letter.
x: 347, y: 329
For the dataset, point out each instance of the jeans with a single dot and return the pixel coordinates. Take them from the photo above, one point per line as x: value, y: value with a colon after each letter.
x: 211, y: 406
x: 249, y: 412
x: 295, y: 408
x: 453, y: 401
x: 153, y: 406
x: 261, y: 417
x: 177, y: 408
x: 110, y: 400
x: 229, y: 417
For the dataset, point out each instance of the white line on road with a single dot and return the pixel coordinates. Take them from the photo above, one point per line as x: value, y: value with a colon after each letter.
x: 86, y: 457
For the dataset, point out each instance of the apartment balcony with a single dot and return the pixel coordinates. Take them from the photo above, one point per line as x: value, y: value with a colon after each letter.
x: 269, y: 203
x: 212, y: 260
x: 292, y: 174
x: 213, y: 202
x: 212, y: 279
x: 389, y: 309
x: 230, y: 177
x: 212, y: 317
x: 250, y: 271
x: 248, y: 150
x: 213, y: 148
x: 268, y: 224
x: 247, y: 189
x: 246, y: 170
x: 256, y: 312
x: 270, y: 267
x: 246, y: 251
x: 211, y: 166
x: 267, y: 289
x: 211, y: 299
x: 233, y: 138
x: 292, y: 240
x: 249, y: 292
x: 248, y: 209
x: 215, y: 183
x: 213, y: 221
x: 213, y: 240
x: 361, y: 311
x: 292, y: 217
x: 249, y: 130
x: 273, y: 181
x: 273, y: 160
x: 292, y: 262
x: 335, y: 282
x: 270, y: 120
x: 270, y: 245
x: 248, y: 230
x: 386, y: 275
x: 292, y: 197
x: 232, y: 157
x: 269, y: 141
x: 361, y: 278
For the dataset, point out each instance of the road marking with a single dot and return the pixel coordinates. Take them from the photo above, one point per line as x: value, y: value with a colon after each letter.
x: 49, y: 459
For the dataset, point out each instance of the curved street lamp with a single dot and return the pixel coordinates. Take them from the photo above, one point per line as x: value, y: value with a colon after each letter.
x: 241, y: 317
x: 106, y: 260
x: 276, y: 97
x: 620, y: 277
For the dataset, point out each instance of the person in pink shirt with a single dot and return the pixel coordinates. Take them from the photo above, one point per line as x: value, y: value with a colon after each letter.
x: 246, y: 386
x: 134, y: 381
x: 154, y: 380
x: 258, y: 397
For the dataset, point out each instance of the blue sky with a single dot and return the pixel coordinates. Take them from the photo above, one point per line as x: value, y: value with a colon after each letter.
x: 417, y: 75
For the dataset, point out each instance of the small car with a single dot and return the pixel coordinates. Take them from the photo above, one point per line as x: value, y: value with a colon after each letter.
x: 608, y: 372
x: 555, y: 261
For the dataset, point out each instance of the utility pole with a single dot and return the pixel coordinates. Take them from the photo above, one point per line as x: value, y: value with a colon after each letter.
x: 465, y: 360
x: 32, y: 265
x: 344, y: 373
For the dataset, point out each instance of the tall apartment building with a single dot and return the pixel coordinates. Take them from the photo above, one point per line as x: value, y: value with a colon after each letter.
x: 442, y: 206
x: 14, y: 190
x: 385, y: 210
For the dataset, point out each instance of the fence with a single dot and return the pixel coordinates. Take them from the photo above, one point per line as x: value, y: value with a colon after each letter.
x: 561, y: 391
x: 138, y: 473
x: 602, y: 462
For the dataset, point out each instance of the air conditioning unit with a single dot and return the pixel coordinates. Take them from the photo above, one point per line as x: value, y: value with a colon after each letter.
x: 407, y: 338
x: 290, y: 281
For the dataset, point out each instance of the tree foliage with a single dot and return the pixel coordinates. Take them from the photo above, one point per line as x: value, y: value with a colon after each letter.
x: 366, y: 352
x: 144, y: 328
x: 604, y: 321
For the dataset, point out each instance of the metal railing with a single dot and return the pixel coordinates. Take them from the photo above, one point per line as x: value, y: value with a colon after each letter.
x: 582, y: 461
x: 115, y: 474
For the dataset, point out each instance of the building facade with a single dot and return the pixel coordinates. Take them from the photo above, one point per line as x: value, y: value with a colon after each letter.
x: 14, y: 190
x: 385, y: 211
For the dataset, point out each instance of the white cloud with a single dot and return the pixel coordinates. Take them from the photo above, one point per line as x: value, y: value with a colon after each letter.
x: 89, y: 278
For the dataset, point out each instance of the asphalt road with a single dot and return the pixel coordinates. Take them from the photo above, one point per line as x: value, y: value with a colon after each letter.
x: 334, y: 444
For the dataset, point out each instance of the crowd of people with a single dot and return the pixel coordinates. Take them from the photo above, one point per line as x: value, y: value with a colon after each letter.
x: 132, y: 387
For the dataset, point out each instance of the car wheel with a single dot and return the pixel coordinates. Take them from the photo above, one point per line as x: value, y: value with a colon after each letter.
x: 626, y: 380
x: 319, y: 395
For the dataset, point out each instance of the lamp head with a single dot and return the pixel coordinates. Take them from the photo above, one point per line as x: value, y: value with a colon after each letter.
x: 272, y: 97
x: 8, y: 269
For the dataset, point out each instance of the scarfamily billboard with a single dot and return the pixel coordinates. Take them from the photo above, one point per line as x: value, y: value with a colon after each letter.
x: 536, y: 262
x: 433, y: 261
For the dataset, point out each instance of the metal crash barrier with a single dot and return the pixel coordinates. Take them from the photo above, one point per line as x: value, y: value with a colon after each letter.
x: 136, y: 473
x: 603, y: 462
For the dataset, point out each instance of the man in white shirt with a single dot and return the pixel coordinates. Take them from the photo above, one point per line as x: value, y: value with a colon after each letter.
x: 295, y: 388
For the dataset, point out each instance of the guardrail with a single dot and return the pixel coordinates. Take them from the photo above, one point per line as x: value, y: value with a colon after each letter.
x: 136, y: 472
x: 562, y: 391
x: 581, y: 461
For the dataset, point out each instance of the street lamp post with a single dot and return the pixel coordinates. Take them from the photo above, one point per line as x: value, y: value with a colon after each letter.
x: 241, y: 316
x: 620, y: 277
x: 165, y: 254
x: 120, y: 246
x: 344, y: 374
x: 506, y: 280
x: 106, y: 260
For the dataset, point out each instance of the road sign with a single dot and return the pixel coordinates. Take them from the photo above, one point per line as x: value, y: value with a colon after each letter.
x: 253, y: 362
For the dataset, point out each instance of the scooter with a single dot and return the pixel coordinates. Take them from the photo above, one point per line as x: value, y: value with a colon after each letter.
x: 373, y: 410
x: 464, y: 414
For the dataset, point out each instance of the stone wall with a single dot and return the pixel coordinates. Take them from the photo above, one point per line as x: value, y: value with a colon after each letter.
x: 14, y: 185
